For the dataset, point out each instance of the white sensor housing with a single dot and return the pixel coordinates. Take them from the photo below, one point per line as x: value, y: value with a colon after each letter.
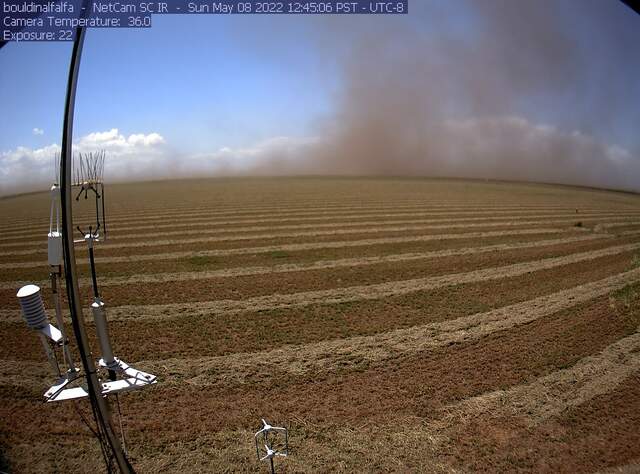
x: 34, y: 314
x: 55, y: 248
x: 32, y: 306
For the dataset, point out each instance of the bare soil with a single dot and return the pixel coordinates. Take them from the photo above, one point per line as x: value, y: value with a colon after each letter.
x: 319, y: 304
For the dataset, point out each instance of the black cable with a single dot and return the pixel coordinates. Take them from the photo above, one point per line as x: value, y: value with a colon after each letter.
x: 110, y: 464
x: 96, y: 433
x: 124, y: 439
x: 94, y: 277
x: 84, y: 419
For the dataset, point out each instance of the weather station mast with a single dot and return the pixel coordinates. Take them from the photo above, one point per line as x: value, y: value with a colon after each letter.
x: 98, y: 401
x: 110, y: 376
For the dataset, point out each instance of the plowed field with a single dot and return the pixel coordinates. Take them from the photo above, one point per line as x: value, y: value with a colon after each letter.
x: 391, y: 324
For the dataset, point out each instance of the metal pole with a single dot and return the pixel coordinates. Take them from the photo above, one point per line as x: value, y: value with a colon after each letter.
x: 57, y: 301
x: 98, y: 402
x: 92, y: 265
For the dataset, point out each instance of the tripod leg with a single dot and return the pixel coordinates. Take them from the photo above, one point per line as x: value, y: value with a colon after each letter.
x: 50, y: 355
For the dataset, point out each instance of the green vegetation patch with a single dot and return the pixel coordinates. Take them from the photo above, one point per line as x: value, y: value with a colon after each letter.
x: 279, y: 254
x: 202, y: 260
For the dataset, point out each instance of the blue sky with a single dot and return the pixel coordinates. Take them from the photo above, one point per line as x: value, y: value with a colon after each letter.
x: 195, y: 79
x: 196, y: 90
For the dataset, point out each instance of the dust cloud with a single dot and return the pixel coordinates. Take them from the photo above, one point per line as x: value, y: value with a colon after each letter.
x: 536, y: 90
x: 494, y: 89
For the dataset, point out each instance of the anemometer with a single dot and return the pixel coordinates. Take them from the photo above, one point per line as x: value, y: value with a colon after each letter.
x: 271, y: 441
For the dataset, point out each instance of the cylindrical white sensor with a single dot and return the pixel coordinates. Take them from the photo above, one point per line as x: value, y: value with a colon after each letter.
x: 97, y: 307
x: 32, y: 306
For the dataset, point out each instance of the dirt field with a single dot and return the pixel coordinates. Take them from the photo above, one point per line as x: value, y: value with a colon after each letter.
x: 391, y: 324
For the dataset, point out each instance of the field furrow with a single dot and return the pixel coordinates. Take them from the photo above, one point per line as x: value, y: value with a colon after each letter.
x: 393, y: 325
x: 317, y: 213
x: 550, y: 395
x: 304, y: 280
x: 425, y: 383
x: 295, y: 247
x: 349, y: 294
x: 343, y: 355
x: 224, y: 228
x: 373, y: 227
x: 473, y: 371
x: 19, y: 235
x: 261, y: 330
x: 352, y: 353
x: 356, y: 293
x: 315, y: 265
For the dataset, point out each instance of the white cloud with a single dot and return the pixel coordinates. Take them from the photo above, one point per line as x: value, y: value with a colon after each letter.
x: 38, y: 131
x: 117, y: 144
x: 506, y: 147
x: 23, y: 166
x: 143, y: 156
x: 145, y: 140
x: 134, y: 157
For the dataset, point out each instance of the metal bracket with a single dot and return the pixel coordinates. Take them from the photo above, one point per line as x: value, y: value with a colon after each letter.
x: 136, y: 378
x: 57, y: 392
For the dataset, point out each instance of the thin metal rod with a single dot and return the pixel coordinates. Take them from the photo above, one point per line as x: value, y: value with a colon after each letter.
x: 124, y: 439
x: 104, y: 221
x: 98, y: 402
x: 92, y: 264
x: 50, y: 355
x: 57, y: 301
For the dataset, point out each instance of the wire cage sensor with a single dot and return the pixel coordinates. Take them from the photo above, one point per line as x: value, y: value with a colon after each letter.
x: 88, y: 172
